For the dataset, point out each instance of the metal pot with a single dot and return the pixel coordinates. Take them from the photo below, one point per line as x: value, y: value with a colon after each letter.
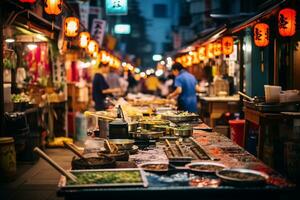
x: 182, y: 132
x: 132, y: 126
x: 149, y: 125
x: 96, y: 163
x: 122, y: 144
x: 103, y: 127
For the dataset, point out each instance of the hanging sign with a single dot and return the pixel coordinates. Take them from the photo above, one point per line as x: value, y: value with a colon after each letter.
x: 116, y: 7
x: 84, y: 8
x: 98, y: 30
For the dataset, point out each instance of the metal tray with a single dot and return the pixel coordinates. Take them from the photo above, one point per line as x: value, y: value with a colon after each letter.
x: 144, y: 183
x: 263, y: 177
x: 143, y: 166
x: 178, y: 119
x: 204, y: 163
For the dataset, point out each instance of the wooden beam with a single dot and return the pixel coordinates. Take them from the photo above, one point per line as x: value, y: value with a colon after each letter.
x: 1, y: 71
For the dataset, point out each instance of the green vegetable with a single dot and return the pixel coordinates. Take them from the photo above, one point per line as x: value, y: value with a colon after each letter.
x: 107, y: 177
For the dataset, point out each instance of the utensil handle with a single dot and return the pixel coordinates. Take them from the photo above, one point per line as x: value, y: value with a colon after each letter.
x: 108, y: 146
x: 245, y: 96
x: 179, y: 148
x: 73, y: 149
x: 54, y: 164
x: 170, y: 147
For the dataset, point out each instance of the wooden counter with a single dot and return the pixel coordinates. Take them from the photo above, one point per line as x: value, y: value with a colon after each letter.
x: 218, y: 146
x: 216, y: 106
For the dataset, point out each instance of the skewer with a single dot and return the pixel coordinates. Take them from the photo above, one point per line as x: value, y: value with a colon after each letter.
x: 179, y: 148
x: 170, y: 147
x: 204, y: 151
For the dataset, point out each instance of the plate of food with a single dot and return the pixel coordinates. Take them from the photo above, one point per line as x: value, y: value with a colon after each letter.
x: 131, y: 177
x: 156, y: 167
x: 238, y: 176
x: 205, y: 167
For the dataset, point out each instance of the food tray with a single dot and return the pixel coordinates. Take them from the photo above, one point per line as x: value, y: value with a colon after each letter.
x: 192, y: 166
x: 142, y: 183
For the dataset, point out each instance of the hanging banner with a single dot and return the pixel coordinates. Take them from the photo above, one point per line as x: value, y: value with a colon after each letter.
x: 84, y: 9
x: 116, y: 7
x: 98, y: 30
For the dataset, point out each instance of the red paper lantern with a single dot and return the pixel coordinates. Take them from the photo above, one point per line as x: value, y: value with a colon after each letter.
x: 71, y: 26
x: 27, y: 1
x: 84, y: 38
x: 261, y: 34
x: 195, y: 57
x: 53, y: 7
x: 92, y: 47
x: 210, y: 50
x: 227, y: 45
x: 287, y: 22
x: 201, y: 53
x: 217, y: 48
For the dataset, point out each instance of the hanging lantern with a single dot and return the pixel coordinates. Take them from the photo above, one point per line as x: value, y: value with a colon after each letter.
x: 201, y: 53
x: 261, y: 34
x: 28, y: 1
x: 210, y: 50
x: 217, y: 48
x: 194, y: 56
x: 227, y: 45
x: 95, y: 54
x: 84, y: 38
x: 92, y: 47
x: 71, y: 26
x: 287, y: 22
x: 53, y: 7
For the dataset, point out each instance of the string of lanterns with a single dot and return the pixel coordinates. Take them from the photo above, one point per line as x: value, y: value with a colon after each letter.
x: 261, y: 38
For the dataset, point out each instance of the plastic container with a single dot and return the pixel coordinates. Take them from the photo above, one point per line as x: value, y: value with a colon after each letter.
x: 237, y: 131
x: 7, y: 159
x: 272, y: 93
x: 80, y: 127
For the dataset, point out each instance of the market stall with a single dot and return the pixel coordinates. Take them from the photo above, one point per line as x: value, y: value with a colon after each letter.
x: 168, y: 154
x: 177, y: 182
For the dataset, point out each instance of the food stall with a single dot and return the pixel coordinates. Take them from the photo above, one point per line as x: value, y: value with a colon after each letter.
x: 170, y: 154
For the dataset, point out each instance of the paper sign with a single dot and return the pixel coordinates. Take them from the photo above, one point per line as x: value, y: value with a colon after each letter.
x: 98, y: 30
x: 84, y: 9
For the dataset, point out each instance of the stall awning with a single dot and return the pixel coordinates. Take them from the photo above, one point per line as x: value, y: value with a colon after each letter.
x: 251, y: 21
x: 18, y: 15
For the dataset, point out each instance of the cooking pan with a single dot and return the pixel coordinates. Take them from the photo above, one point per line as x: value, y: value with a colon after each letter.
x: 100, y: 162
x: 122, y: 144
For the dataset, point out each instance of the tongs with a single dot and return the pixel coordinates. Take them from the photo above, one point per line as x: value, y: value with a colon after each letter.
x: 254, y: 100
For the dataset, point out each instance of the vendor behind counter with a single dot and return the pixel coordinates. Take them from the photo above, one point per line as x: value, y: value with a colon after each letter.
x: 186, y: 86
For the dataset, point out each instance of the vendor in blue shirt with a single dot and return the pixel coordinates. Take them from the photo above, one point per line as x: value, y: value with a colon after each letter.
x: 186, y: 86
x: 101, y: 88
